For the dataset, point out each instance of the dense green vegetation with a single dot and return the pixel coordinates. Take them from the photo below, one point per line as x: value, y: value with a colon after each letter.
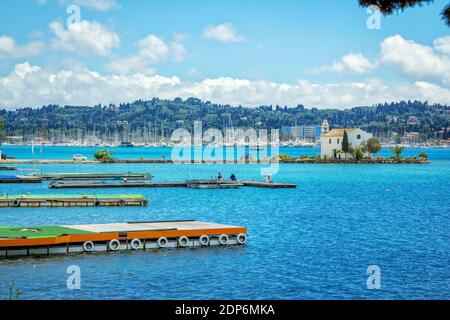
x: 103, y: 155
x: 397, y: 151
x: 372, y: 146
x: 430, y: 120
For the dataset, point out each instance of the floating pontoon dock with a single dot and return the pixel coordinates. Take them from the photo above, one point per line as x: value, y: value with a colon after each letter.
x: 212, y: 184
x: 270, y: 185
x: 27, y: 241
x: 19, y: 179
x: 72, y: 200
x: 7, y: 168
x: 93, y: 176
x: 206, y: 184
x: 131, y: 184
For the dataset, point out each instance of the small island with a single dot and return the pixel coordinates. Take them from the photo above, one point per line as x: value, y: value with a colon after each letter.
x: 353, y: 146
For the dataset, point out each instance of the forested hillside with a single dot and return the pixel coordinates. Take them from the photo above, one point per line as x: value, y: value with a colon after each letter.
x: 166, y: 115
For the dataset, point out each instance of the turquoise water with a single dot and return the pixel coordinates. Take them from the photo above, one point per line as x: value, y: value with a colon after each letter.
x: 66, y: 153
x: 313, y: 242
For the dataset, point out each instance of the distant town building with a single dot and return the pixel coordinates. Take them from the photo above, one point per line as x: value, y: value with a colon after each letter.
x: 331, y: 141
x: 412, y: 137
x: 297, y: 132
x: 302, y: 132
x: 413, y: 121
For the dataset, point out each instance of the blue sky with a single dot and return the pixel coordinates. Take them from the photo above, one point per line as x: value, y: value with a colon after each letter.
x: 318, y: 53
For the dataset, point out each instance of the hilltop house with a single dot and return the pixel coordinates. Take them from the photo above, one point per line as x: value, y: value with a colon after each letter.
x: 331, y: 141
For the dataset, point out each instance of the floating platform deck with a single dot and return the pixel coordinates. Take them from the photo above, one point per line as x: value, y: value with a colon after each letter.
x: 212, y: 184
x: 93, y: 176
x: 2, y: 168
x: 81, y: 200
x: 270, y: 185
x: 204, y: 184
x: 130, y: 184
x: 19, y: 179
x: 30, y: 241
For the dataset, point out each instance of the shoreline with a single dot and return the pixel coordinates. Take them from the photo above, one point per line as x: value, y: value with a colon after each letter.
x: 161, y: 161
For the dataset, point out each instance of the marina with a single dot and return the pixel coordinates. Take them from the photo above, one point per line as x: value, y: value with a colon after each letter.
x: 216, y: 159
x: 80, y: 200
x: 193, y: 184
x: 332, y: 212
x: 28, y: 241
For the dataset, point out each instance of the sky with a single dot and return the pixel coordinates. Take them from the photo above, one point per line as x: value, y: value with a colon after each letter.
x: 319, y: 53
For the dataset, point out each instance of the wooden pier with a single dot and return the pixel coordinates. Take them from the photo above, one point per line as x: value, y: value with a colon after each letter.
x: 81, y: 200
x: 47, y: 240
x: 92, y: 176
x: 195, y: 184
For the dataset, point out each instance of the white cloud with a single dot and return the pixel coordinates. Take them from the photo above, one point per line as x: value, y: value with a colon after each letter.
x: 152, y: 49
x: 442, y: 44
x: 102, y: 5
x: 30, y: 85
x: 351, y: 63
x: 225, y: 32
x: 413, y: 59
x: 85, y: 37
x: 10, y: 49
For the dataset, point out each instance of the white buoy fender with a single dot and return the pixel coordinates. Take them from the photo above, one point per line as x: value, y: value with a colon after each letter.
x: 223, y: 239
x: 241, y: 238
x: 135, y: 244
x: 114, y: 245
x: 183, y: 241
x: 162, y: 242
x: 88, y: 246
x: 204, y: 240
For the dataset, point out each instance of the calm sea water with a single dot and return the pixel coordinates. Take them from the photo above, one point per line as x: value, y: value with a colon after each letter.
x: 313, y: 242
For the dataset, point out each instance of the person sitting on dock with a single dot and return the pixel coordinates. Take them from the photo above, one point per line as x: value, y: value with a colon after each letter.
x: 233, y: 177
x: 219, y: 177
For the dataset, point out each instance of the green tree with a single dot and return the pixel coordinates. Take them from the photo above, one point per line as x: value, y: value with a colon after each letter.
x: 390, y: 6
x: 345, y: 144
x: 284, y: 157
x: 357, y: 153
x: 423, y: 155
x: 397, y: 151
x: 103, y: 155
x: 372, y: 146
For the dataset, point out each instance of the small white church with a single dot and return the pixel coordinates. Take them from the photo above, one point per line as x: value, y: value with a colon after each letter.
x: 331, y: 141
